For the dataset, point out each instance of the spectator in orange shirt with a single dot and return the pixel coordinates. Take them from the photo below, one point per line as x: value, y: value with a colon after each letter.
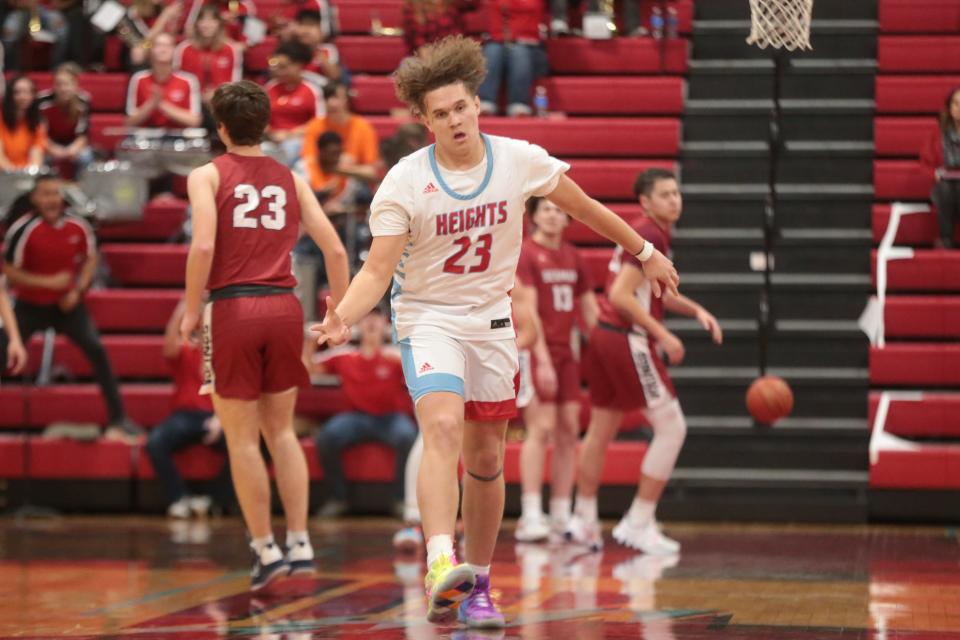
x: 23, y: 136
x: 361, y: 147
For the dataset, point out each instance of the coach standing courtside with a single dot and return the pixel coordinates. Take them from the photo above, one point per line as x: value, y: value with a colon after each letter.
x: 49, y: 258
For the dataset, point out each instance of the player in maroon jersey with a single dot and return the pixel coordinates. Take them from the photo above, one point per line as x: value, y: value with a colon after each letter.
x: 247, y: 212
x: 625, y: 372
x: 561, y: 289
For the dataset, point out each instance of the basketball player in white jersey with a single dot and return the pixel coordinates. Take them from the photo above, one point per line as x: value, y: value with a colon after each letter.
x: 447, y: 225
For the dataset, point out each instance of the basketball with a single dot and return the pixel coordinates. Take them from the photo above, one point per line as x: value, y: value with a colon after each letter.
x: 769, y: 399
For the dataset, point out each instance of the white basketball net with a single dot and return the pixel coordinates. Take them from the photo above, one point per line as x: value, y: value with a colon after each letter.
x: 780, y: 24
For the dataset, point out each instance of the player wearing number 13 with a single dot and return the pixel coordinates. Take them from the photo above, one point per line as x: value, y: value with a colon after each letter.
x: 447, y: 228
x: 247, y: 212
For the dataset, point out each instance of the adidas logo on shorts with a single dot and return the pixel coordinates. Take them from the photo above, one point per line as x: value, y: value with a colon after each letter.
x: 425, y: 368
x: 430, y: 188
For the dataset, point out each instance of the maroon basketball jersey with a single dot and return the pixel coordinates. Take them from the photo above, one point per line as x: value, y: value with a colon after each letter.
x: 560, y: 280
x: 258, y: 221
x: 647, y: 228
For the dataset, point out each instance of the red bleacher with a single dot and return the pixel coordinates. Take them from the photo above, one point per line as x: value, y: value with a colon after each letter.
x: 935, y: 53
x: 902, y: 136
x: 913, y: 94
x: 928, y: 270
x: 919, y: 16
x: 933, y: 415
x: 922, y: 317
x: 914, y: 229
x: 901, y: 180
x: 930, y: 467
x: 913, y: 364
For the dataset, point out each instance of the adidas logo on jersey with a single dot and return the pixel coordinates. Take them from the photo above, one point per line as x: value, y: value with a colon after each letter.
x: 424, y: 369
x: 430, y: 188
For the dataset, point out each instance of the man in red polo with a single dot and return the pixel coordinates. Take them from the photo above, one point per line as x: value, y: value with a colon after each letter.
x: 293, y: 100
x: 161, y: 97
x: 49, y: 258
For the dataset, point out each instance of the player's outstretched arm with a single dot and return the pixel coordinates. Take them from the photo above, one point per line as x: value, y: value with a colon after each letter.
x: 364, y: 291
x: 201, y: 189
x: 657, y: 268
x: 622, y: 297
x: 684, y: 306
x: 317, y: 224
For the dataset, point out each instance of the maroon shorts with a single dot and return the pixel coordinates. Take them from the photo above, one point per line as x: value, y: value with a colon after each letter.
x: 252, y: 345
x: 624, y: 371
x: 567, y: 369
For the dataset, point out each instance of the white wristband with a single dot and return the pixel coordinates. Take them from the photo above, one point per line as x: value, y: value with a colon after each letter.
x: 647, y: 252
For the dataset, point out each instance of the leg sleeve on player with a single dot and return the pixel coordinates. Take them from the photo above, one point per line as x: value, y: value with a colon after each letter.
x: 669, y: 432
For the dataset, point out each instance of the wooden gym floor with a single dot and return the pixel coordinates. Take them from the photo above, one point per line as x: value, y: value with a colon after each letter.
x: 122, y: 577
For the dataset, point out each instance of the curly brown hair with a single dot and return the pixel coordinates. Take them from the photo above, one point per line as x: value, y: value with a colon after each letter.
x: 449, y: 61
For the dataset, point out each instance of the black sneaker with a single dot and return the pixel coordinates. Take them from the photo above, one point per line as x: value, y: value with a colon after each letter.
x: 300, y: 559
x: 267, y: 566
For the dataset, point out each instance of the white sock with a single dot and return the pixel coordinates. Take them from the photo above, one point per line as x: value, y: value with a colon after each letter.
x: 296, y: 537
x: 479, y: 570
x: 641, y: 511
x: 411, y: 515
x: 560, y: 510
x: 587, y: 508
x: 259, y: 544
x: 531, y: 506
x: 438, y: 545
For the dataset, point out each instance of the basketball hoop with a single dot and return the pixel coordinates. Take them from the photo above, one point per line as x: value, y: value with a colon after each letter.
x: 780, y: 24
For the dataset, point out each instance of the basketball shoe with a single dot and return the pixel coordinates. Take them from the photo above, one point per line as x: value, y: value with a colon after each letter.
x: 300, y: 559
x: 585, y: 533
x: 268, y: 565
x: 645, y: 537
x: 448, y: 585
x: 478, y: 611
x: 532, y: 529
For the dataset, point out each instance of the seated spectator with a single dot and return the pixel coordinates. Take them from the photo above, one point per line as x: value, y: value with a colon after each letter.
x: 293, y: 101
x: 50, y: 257
x: 326, y: 65
x: 408, y: 138
x: 373, y: 384
x: 66, y: 111
x: 284, y: 24
x: 161, y: 97
x: 514, y: 53
x: 147, y: 19
x: 941, y: 157
x: 191, y: 422
x: 208, y: 55
x: 16, y: 352
x: 23, y: 134
x: 232, y: 13
x: 361, y: 147
x: 426, y: 21
x: 23, y: 23
x: 339, y: 194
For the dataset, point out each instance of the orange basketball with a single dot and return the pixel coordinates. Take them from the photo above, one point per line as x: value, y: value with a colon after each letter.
x: 769, y: 399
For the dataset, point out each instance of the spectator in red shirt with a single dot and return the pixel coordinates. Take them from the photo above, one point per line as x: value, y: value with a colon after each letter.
x: 233, y: 14
x: 208, y: 55
x: 514, y: 52
x: 373, y: 384
x: 941, y: 157
x: 326, y: 65
x: 144, y: 22
x: 293, y: 101
x: 161, y: 97
x: 50, y: 258
x: 192, y: 421
x: 66, y: 110
x: 16, y: 352
x: 426, y: 21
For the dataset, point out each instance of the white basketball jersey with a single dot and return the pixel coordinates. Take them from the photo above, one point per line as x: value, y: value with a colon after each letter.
x: 464, y: 233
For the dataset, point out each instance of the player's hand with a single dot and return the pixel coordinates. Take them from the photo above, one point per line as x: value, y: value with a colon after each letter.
x: 545, y: 379
x: 673, y: 347
x: 708, y: 322
x: 16, y: 356
x: 332, y: 330
x: 661, y: 273
x: 188, y: 325
x: 70, y: 300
